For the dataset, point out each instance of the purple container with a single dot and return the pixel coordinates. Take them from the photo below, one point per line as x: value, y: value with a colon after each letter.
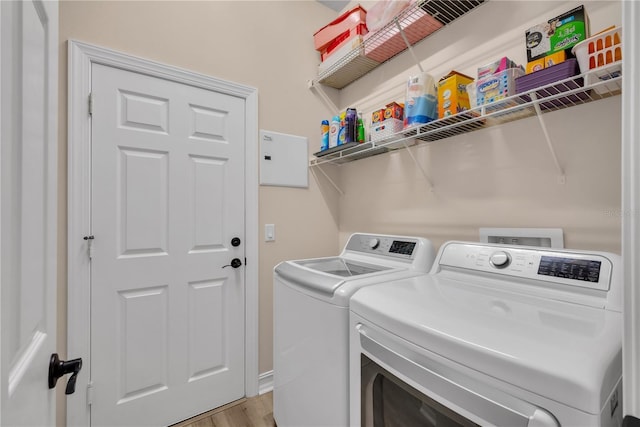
x: 543, y: 78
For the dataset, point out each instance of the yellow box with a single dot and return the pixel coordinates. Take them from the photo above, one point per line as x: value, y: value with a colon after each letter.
x: 452, y: 94
x: 394, y: 111
x: 535, y: 65
x: 555, y: 58
x: 377, y: 116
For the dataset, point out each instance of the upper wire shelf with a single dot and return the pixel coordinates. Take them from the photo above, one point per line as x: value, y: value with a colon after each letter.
x: 581, y: 89
x: 417, y: 22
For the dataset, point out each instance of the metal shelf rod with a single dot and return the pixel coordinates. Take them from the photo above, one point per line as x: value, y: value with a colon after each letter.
x: 543, y: 125
x: 332, y: 182
x: 409, y: 47
x: 418, y: 165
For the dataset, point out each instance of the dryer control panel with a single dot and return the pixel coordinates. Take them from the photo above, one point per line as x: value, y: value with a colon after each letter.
x: 575, y: 268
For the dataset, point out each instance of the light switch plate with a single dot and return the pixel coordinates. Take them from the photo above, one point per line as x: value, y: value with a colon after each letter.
x: 269, y: 232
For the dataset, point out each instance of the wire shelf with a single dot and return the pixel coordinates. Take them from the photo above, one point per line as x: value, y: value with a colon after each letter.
x: 581, y: 89
x: 417, y: 21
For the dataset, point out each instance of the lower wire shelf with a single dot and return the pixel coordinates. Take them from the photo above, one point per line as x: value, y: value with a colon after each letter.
x: 581, y: 89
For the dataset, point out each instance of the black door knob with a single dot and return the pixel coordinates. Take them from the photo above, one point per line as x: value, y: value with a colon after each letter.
x: 58, y: 368
x: 235, y: 241
x: 235, y: 263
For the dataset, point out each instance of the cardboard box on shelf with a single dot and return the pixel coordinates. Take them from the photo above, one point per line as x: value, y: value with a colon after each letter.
x: 452, y: 94
x: 546, y: 62
x: 497, y: 86
x: 534, y: 66
x: 394, y: 111
x: 377, y: 116
x: 557, y: 34
x: 555, y: 58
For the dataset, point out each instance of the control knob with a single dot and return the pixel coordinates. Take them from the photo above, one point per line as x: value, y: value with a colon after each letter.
x: 374, y: 243
x: 500, y: 259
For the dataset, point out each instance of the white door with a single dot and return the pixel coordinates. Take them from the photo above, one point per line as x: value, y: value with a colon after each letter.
x: 167, y: 320
x: 28, y: 180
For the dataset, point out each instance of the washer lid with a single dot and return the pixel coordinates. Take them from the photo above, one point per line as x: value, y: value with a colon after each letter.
x: 325, y: 275
x: 340, y: 266
x: 562, y: 351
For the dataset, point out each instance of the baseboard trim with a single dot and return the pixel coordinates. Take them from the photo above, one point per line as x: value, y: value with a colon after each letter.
x: 265, y: 382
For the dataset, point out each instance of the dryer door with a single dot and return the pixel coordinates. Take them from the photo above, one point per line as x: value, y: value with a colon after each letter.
x: 402, y: 386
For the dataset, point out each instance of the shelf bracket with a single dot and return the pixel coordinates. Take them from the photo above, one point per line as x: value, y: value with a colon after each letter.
x: 418, y: 165
x: 327, y: 177
x: 536, y: 105
x: 409, y: 47
x: 320, y: 90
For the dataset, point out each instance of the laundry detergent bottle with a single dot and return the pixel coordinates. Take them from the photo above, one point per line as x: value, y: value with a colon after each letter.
x: 334, y: 129
x: 324, y: 135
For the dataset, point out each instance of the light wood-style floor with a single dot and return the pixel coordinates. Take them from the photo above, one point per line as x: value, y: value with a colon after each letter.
x: 253, y: 412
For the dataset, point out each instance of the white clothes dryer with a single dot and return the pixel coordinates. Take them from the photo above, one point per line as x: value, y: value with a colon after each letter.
x: 494, y: 336
x: 311, y: 323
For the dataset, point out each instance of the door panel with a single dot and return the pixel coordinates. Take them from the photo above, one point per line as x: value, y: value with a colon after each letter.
x: 207, y: 187
x: 143, y: 321
x: 167, y: 324
x: 143, y: 221
x: 207, y: 352
x: 28, y: 158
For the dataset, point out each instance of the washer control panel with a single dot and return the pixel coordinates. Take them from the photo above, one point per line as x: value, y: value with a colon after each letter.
x: 393, y: 246
x: 587, y: 270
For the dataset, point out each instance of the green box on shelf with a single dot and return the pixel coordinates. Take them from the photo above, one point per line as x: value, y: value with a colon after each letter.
x: 560, y: 33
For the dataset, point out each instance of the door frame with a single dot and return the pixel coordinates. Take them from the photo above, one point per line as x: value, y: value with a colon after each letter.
x: 630, y: 212
x: 81, y: 58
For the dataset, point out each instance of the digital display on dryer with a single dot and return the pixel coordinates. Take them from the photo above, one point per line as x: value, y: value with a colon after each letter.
x: 402, y: 248
x: 570, y: 268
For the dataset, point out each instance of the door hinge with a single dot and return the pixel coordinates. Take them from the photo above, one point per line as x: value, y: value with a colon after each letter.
x: 91, y: 104
x: 90, y: 393
x: 245, y: 261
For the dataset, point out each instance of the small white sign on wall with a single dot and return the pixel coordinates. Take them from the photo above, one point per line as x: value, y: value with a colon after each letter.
x: 283, y: 159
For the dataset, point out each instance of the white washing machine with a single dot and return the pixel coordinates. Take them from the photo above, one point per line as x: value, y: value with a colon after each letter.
x: 311, y: 323
x: 493, y: 336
